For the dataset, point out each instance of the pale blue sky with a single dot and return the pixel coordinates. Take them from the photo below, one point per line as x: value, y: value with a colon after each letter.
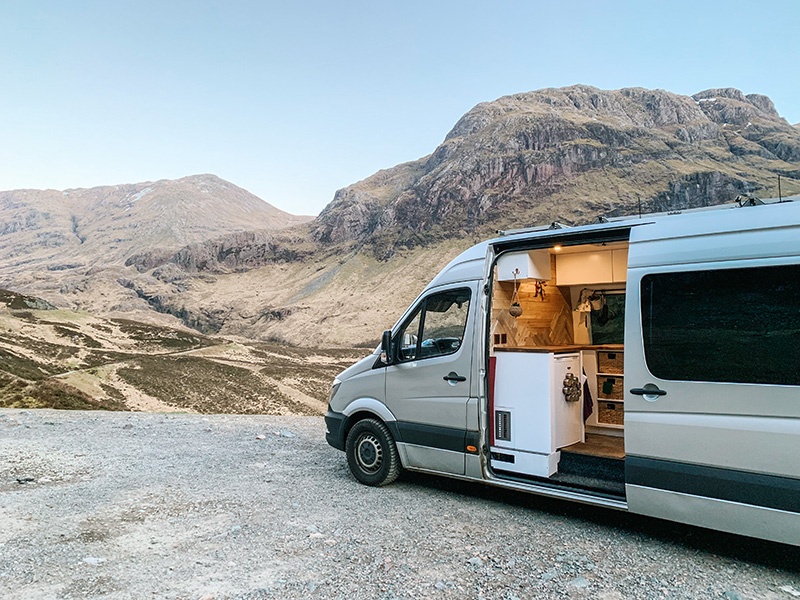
x: 293, y: 100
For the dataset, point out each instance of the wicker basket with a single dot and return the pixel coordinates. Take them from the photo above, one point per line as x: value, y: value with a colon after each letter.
x: 610, y: 387
x: 610, y: 362
x: 611, y: 413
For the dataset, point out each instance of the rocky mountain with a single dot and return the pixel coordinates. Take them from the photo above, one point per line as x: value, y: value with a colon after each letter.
x: 570, y: 154
x: 72, y: 246
x: 85, y: 228
x: 200, y: 252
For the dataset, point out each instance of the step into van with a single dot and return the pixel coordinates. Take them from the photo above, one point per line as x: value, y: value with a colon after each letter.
x: 649, y: 365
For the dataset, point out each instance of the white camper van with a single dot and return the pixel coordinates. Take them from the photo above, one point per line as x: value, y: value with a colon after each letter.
x: 649, y: 365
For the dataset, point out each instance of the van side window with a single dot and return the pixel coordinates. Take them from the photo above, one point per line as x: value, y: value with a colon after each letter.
x: 725, y: 325
x: 436, y: 328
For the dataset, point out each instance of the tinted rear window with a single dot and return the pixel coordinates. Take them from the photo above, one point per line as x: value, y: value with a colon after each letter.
x: 727, y: 325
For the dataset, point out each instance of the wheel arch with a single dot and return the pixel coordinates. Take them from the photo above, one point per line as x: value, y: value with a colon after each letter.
x: 370, y: 408
x: 369, y: 405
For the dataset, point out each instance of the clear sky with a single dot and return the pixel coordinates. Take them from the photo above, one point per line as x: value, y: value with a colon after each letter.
x: 293, y: 100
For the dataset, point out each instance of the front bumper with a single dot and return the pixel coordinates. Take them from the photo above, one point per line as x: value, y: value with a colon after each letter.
x: 334, y: 423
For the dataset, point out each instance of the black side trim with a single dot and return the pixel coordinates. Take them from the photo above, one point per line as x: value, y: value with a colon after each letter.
x: 769, y: 491
x: 393, y: 429
x: 433, y: 436
x: 501, y: 457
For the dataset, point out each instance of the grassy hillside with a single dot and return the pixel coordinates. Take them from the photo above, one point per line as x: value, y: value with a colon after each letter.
x: 63, y: 359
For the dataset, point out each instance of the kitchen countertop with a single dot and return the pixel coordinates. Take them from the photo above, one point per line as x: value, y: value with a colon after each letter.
x: 562, y: 349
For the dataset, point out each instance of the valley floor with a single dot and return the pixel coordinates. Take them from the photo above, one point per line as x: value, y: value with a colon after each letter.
x: 97, y: 504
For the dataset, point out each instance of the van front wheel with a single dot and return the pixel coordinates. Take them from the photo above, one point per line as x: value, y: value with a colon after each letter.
x: 371, y: 453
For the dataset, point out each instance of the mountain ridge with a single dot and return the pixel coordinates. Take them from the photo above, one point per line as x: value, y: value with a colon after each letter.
x: 559, y: 154
x: 169, y: 213
x: 518, y: 152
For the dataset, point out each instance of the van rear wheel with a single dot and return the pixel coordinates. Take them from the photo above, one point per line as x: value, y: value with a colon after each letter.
x: 371, y: 453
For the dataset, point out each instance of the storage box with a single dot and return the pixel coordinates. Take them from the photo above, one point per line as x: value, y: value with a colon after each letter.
x: 610, y: 362
x: 610, y: 387
x: 611, y: 413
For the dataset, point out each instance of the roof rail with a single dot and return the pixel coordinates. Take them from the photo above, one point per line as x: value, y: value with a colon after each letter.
x: 749, y: 200
x: 740, y: 201
x: 505, y: 232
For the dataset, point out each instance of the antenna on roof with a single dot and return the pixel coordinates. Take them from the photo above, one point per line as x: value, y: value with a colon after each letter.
x: 639, y: 200
x: 780, y: 197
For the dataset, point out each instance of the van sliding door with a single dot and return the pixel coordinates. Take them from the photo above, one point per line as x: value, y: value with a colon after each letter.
x: 712, y: 400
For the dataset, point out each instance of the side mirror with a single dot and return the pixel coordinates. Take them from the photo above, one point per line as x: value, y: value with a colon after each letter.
x: 386, y: 346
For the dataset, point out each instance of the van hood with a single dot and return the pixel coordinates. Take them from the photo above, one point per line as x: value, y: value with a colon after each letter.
x: 363, y: 365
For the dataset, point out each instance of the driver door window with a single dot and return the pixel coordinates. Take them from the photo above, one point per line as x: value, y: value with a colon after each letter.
x: 408, y: 338
x: 436, y: 328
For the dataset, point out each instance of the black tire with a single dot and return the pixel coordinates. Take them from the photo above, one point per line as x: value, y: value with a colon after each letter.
x: 371, y: 453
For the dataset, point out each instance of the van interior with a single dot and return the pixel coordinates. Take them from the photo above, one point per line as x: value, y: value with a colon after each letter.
x: 556, y: 366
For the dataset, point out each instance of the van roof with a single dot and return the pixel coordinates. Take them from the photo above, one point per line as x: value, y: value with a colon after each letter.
x: 747, y: 213
x: 741, y: 202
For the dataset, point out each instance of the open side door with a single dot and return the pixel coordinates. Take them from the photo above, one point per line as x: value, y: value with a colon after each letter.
x: 712, y: 398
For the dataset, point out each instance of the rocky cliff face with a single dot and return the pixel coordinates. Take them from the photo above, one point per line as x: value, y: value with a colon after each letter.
x: 569, y: 154
x: 239, y: 251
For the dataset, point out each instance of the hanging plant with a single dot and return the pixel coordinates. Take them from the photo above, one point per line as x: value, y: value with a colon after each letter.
x: 515, y: 309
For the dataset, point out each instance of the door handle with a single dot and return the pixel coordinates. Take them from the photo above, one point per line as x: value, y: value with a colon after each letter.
x: 453, y: 376
x: 650, y: 389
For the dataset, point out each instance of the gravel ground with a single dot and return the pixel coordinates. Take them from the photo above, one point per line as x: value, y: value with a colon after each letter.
x: 135, y: 505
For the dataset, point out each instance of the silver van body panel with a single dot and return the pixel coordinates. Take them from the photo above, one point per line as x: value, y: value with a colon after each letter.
x: 726, y: 235
x: 467, y: 266
x: 723, y: 515
x: 426, y: 398
x: 433, y: 459
x: 360, y: 368
x: 743, y: 442
x: 359, y: 383
x: 473, y: 467
x: 730, y: 431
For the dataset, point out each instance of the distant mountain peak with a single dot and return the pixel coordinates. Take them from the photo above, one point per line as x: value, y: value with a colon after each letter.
x: 107, y: 224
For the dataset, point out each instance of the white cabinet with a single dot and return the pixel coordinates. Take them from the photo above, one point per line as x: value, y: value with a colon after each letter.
x: 619, y: 265
x: 585, y: 268
x: 532, y: 419
x: 527, y: 265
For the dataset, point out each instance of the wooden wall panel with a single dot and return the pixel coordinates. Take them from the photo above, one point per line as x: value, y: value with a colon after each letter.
x: 544, y: 322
